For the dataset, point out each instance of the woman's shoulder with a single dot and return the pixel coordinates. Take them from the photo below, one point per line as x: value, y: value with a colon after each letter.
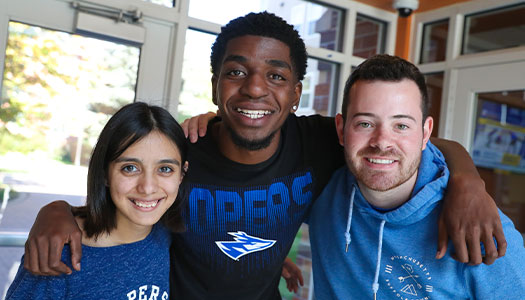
x: 28, y: 286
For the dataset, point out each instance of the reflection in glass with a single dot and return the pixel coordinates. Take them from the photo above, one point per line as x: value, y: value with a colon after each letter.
x: 319, y: 96
x: 195, y: 96
x: 499, y: 29
x: 58, y: 91
x: 319, y: 25
x: 498, y: 150
x: 435, y: 91
x: 370, y: 37
x: 434, y: 45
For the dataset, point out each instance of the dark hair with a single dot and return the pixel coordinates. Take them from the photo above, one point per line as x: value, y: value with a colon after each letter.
x: 387, y: 68
x: 261, y: 24
x: 127, y: 126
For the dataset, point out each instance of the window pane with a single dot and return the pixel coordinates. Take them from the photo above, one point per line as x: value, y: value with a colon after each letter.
x: 499, y: 150
x: 435, y: 92
x: 494, y: 30
x: 58, y: 92
x: 167, y: 3
x: 195, y: 96
x: 434, y: 46
x: 319, y: 25
x: 319, y: 88
x: 369, y: 37
x: 499, y: 140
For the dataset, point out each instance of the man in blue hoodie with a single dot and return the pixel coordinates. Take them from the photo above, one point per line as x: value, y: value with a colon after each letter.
x: 389, y: 200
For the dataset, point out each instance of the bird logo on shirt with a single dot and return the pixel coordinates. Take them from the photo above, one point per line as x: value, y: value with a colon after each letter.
x: 243, y: 244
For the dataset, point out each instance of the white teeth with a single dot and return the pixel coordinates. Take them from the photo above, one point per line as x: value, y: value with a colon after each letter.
x: 380, y: 161
x: 146, y: 205
x: 253, y: 114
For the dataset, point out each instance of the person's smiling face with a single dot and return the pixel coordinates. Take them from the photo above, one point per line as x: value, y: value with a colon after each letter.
x: 255, y: 90
x: 144, y: 180
x: 384, y: 133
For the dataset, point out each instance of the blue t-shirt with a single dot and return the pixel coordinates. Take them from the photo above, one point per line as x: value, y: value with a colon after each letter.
x: 138, y: 270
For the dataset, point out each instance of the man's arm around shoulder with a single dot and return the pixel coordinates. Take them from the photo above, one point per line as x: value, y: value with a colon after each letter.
x: 54, y: 226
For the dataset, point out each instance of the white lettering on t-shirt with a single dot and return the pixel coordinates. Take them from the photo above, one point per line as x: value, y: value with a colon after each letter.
x: 154, y: 292
x: 142, y: 292
x: 132, y: 295
x: 145, y: 293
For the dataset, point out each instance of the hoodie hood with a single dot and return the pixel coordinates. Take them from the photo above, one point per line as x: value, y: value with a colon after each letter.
x: 429, y: 189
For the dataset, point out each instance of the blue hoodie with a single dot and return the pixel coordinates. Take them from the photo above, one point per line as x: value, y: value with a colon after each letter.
x: 393, y: 252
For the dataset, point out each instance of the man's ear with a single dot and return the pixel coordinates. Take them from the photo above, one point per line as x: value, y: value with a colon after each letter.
x: 298, y: 90
x: 427, y: 131
x: 340, y: 127
x: 214, y: 89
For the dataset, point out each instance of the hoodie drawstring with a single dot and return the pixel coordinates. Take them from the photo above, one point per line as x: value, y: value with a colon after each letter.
x: 349, y: 220
x: 375, y: 285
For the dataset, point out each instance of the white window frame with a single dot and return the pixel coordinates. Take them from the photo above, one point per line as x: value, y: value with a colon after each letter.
x: 454, y: 60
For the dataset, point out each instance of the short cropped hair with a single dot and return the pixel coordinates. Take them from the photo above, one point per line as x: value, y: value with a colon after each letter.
x: 385, y: 67
x: 127, y: 126
x: 261, y: 24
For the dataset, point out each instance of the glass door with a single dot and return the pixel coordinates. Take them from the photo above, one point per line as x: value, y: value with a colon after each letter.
x: 489, y: 119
